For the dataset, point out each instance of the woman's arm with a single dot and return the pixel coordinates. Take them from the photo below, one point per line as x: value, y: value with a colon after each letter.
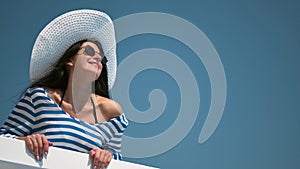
x: 116, y: 123
x: 20, y: 124
x: 20, y: 121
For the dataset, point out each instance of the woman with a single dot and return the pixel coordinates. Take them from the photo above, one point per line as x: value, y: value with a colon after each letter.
x: 68, y: 104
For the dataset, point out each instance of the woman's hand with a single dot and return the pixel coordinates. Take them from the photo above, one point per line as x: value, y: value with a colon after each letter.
x: 37, y: 144
x: 100, y: 158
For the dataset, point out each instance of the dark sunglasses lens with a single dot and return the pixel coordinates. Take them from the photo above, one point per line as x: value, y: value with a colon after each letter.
x: 89, y: 50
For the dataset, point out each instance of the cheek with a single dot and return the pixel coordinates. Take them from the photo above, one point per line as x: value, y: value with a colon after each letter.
x: 99, y: 70
x: 79, y: 61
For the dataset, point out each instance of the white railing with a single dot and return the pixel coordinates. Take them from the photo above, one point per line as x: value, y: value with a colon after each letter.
x: 14, y: 155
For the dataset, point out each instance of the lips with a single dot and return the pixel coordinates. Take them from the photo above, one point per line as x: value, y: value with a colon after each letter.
x: 96, y: 64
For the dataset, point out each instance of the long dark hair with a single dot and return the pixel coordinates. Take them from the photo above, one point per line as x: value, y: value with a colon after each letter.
x: 58, y: 77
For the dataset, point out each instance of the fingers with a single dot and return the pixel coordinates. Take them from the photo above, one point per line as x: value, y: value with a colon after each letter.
x: 45, y: 145
x: 38, y: 145
x: 100, y: 158
x: 29, y: 144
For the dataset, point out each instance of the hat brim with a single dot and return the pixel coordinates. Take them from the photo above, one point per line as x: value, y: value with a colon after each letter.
x: 67, y: 29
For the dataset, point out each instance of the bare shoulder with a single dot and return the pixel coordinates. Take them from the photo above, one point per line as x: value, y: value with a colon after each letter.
x: 109, y: 108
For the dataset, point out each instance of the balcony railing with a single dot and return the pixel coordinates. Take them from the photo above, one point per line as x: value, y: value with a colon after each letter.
x: 15, y: 155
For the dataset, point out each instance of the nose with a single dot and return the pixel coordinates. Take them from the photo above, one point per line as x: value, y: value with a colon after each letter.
x: 97, y: 57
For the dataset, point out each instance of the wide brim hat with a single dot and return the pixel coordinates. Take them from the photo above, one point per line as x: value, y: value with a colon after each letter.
x: 67, y: 29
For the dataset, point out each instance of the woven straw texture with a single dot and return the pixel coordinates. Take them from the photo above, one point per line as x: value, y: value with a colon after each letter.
x: 67, y: 29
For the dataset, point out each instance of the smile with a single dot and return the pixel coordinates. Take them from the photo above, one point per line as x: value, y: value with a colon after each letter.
x: 94, y: 63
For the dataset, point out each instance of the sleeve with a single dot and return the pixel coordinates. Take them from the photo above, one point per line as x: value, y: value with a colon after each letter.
x: 117, y: 127
x: 21, y: 120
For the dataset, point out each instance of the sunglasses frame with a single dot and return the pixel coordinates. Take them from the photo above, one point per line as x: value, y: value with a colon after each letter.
x: 90, y: 51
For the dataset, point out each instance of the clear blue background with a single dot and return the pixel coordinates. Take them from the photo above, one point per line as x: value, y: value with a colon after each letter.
x: 259, y: 45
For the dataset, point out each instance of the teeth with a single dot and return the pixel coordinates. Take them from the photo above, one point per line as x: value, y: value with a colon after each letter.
x: 97, y: 61
x: 94, y: 63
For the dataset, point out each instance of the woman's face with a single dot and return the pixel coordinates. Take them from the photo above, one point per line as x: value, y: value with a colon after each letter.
x: 88, y: 60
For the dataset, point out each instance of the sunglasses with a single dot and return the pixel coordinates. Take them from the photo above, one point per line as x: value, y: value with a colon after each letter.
x: 90, y: 51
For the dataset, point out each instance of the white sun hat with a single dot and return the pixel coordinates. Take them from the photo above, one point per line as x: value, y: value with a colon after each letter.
x: 67, y: 29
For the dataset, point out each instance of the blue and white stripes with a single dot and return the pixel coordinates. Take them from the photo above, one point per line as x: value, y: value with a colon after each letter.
x: 36, y: 112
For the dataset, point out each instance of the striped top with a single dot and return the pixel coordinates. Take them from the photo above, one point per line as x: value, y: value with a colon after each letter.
x: 36, y: 112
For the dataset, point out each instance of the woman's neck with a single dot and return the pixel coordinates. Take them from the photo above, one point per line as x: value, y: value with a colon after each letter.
x: 78, y: 93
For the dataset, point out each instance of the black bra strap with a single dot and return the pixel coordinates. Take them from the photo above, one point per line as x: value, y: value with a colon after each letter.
x: 62, y: 97
x: 94, y: 110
